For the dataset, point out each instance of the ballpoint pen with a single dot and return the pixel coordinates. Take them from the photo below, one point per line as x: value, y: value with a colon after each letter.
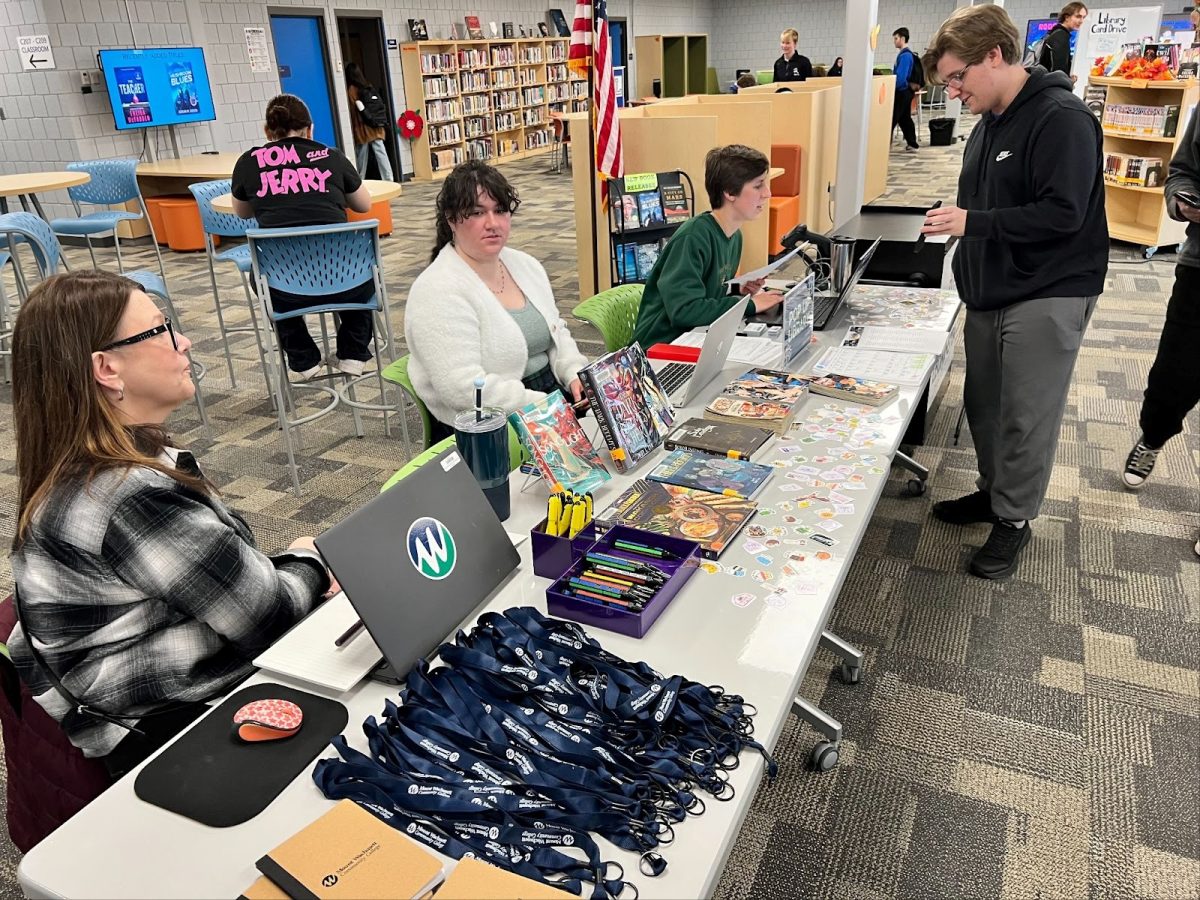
x: 349, y: 634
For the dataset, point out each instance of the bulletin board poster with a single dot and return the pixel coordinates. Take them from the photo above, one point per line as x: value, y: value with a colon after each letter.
x: 1105, y: 31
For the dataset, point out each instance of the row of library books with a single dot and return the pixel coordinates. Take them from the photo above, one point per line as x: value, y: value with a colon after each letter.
x: 1137, y: 171
x: 634, y: 261
x: 472, y: 29
x: 665, y: 204
x: 1131, y: 119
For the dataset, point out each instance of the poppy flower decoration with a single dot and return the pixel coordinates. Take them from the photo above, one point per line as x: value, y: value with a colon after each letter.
x: 410, y: 124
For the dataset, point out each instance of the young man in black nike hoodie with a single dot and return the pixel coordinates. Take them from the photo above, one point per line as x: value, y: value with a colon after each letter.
x: 1029, y: 267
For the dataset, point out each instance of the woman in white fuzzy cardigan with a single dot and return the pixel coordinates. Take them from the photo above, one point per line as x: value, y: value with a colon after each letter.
x: 482, y: 308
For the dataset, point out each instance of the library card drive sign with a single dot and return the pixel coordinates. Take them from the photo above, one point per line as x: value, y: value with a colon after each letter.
x: 1105, y: 31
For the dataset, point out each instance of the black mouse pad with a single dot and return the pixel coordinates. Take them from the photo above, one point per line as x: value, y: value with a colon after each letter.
x: 210, y: 776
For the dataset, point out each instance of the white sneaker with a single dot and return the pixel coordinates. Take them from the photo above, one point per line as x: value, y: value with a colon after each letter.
x: 351, y: 367
x: 307, y: 374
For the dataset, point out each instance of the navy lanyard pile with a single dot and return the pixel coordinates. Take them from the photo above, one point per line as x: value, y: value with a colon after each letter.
x: 530, y: 739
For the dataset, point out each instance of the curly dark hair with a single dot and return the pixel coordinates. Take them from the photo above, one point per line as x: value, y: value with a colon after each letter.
x: 460, y: 192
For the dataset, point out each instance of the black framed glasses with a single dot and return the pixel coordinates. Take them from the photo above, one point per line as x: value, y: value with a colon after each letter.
x: 145, y: 336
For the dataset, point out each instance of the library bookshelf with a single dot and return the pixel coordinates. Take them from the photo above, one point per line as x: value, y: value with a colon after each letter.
x: 1136, y: 212
x: 489, y: 100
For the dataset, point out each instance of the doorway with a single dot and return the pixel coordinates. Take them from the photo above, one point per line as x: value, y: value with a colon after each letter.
x: 361, y: 40
x: 303, y: 59
x: 617, y: 39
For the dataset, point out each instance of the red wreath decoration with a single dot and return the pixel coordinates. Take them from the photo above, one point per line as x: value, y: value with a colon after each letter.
x: 410, y: 124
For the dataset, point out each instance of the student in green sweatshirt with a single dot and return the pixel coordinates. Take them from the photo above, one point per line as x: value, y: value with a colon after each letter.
x: 686, y: 287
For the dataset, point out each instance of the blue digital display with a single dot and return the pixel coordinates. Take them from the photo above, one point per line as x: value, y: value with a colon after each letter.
x: 166, y: 86
x: 1174, y: 24
x: 1037, y: 29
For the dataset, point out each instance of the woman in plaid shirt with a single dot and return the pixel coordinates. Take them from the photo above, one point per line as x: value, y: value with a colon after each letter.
x: 138, y: 589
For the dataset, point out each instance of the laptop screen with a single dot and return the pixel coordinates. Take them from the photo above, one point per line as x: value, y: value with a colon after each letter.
x: 419, y: 558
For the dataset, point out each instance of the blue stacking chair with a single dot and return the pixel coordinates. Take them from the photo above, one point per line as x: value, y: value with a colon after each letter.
x: 315, y: 262
x: 227, y: 225
x: 113, y: 181
x: 47, y: 252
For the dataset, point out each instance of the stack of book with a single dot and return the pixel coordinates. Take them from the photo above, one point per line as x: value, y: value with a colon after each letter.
x: 852, y: 389
x: 764, y: 398
x: 1139, y: 171
x: 1128, y: 118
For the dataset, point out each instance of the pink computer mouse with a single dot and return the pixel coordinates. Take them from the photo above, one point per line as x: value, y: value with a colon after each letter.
x: 267, y: 720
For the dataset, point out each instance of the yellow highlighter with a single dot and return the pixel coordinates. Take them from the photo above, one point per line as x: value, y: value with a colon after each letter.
x: 578, y: 511
x: 587, y: 499
x: 553, y: 512
x: 564, y: 518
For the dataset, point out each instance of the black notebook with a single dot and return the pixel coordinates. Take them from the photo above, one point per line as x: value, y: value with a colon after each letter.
x: 718, y: 438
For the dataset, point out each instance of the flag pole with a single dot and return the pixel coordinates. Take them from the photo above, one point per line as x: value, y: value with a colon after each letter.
x: 592, y: 155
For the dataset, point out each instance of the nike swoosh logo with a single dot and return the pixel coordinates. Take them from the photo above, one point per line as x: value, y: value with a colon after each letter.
x: 1003, y: 155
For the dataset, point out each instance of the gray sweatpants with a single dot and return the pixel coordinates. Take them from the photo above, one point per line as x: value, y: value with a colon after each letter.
x: 1019, y: 364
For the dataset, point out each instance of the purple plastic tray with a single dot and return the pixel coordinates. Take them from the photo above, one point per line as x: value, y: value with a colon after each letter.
x: 634, y: 624
x: 552, y: 555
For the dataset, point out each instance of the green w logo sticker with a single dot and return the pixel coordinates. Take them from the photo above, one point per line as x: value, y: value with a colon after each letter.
x: 431, y: 548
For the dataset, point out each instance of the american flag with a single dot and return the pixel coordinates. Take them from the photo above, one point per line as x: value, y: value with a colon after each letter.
x: 609, y: 161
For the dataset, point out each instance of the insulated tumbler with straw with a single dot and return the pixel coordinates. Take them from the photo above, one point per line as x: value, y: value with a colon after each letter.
x: 482, y: 438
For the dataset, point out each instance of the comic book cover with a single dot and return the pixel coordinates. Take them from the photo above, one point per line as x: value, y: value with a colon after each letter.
x: 633, y: 409
x: 691, y: 469
x: 766, y: 398
x: 718, y: 438
x: 852, y: 389
x: 558, y: 445
x: 711, y: 520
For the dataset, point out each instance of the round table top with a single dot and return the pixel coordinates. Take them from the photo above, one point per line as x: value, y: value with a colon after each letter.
x: 379, y: 190
x: 35, y: 182
x: 201, y: 165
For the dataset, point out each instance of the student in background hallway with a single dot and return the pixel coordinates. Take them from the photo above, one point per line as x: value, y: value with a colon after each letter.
x: 1173, y: 386
x: 791, y: 66
x: 902, y: 109
x: 367, y: 138
x: 1029, y: 267
x: 835, y: 71
x: 1056, y: 48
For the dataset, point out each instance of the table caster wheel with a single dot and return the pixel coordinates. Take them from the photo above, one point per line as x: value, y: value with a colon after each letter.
x: 851, y: 674
x: 916, y: 487
x: 824, y: 757
x: 1148, y: 252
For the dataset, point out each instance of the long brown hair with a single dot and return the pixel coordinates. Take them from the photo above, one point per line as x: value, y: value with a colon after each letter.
x: 65, y: 426
x: 286, y: 113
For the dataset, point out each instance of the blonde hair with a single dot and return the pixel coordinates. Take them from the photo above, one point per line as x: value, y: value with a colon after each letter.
x: 970, y: 34
x: 790, y: 34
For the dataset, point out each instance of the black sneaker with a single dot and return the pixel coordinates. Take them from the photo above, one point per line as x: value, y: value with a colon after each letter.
x: 968, y: 510
x: 1139, y: 464
x: 997, y: 559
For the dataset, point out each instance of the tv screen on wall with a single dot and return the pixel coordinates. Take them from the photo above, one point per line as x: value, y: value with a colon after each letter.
x: 160, y: 86
x: 1036, y: 30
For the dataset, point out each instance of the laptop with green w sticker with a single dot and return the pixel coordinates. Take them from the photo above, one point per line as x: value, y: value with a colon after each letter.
x: 420, y: 558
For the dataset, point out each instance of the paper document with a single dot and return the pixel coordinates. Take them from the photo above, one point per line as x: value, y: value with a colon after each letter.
x: 765, y: 270
x: 875, y: 365
x: 307, y: 652
x: 897, y: 340
x: 757, y: 351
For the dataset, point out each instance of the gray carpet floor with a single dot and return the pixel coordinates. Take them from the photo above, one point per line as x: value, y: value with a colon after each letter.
x: 1038, y: 738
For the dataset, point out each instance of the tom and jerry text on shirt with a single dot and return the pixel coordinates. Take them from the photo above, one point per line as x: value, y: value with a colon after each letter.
x: 302, y: 180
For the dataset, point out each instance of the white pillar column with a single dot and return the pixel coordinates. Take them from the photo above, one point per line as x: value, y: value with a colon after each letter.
x: 861, y: 17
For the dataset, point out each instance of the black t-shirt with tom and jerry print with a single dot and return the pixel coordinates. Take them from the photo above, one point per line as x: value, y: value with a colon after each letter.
x: 295, y: 182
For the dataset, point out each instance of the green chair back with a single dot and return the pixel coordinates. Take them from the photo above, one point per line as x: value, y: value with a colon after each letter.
x: 417, y: 461
x: 614, y: 313
x: 397, y: 373
x: 765, y: 76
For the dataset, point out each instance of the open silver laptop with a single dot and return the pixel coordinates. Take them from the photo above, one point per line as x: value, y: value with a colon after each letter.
x: 684, y: 381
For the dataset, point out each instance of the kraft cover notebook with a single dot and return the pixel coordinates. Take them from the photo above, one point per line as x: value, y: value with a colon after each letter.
x: 631, y: 406
x: 718, y: 438
x: 732, y: 477
x: 348, y: 853
x: 473, y: 879
x: 711, y: 520
x: 563, y: 454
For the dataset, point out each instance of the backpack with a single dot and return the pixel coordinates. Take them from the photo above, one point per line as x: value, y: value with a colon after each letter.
x: 374, y: 112
x: 917, y: 74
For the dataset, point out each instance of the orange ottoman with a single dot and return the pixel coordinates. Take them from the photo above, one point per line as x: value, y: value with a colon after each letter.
x: 154, y: 208
x: 381, y: 210
x: 181, y: 221
x: 783, y: 215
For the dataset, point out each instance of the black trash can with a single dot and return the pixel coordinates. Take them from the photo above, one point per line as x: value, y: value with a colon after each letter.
x: 941, y: 132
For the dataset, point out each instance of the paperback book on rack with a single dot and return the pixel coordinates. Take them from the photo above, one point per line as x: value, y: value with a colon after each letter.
x: 704, y: 472
x: 631, y: 406
x: 764, y: 398
x: 711, y: 520
x: 718, y: 438
x: 562, y: 452
x: 852, y: 389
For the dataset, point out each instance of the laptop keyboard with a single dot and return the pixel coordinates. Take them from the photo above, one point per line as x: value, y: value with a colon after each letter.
x: 823, y: 307
x: 673, y: 376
